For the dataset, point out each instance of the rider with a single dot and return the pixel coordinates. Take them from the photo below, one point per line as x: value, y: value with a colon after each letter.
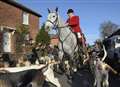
x: 73, y: 22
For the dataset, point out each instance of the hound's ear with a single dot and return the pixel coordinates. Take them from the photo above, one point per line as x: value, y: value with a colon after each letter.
x: 56, y: 9
x: 48, y: 10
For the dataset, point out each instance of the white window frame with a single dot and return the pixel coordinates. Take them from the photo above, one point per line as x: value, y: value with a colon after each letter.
x: 117, y: 44
x: 25, y: 18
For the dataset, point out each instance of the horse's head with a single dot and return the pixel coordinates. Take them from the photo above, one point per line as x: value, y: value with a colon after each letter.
x: 52, y: 20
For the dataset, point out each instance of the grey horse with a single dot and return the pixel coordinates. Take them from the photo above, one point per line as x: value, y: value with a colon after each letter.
x: 67, y: 40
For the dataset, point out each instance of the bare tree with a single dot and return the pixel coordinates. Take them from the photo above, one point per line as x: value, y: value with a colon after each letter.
x: 107, y: 28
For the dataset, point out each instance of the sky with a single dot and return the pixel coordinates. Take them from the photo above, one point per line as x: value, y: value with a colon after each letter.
x: 91, y: 12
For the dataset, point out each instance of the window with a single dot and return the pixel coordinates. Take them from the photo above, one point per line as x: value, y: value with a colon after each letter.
x: 25, y: 18
x: 118, y: 40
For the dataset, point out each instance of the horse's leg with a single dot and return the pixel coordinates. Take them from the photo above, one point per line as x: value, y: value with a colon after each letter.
x: 70, y: 68
x: 61, y: 65
x: 68, y: 71
x: 60, y: 55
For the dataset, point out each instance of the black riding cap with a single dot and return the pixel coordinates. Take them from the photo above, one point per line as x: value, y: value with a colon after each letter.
x: 70, y: 11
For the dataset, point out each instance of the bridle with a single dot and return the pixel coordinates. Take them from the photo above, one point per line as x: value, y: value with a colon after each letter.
x: 54, y: 23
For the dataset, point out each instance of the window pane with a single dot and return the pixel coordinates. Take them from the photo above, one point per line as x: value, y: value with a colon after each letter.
x: 25, y: 18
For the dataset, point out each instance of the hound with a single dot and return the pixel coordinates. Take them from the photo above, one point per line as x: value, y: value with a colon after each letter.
x: 102, y: 73
x: 46, y: 70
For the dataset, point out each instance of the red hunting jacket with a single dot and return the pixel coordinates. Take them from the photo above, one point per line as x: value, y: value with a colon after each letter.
x: 74, y: 24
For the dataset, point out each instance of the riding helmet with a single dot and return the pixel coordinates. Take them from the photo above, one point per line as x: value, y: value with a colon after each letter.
x: 70, y: 11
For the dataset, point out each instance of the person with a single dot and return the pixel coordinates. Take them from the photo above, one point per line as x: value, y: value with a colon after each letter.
x: 73, y: 22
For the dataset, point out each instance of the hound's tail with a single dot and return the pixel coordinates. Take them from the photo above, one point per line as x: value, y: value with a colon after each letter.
x: 105, y: 53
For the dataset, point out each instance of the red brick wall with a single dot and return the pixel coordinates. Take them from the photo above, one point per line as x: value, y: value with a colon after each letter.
x: 11, y: 16
x: 54, y: 41
x: 34, y: 25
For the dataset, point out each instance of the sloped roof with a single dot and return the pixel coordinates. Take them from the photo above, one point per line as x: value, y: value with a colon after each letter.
x: 115, y: 33
x: 18, y: 5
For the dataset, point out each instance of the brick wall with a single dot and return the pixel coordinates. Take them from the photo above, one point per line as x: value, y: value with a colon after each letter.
x: 11, y: 16
x: 34, y: 25
x: 54, y: 41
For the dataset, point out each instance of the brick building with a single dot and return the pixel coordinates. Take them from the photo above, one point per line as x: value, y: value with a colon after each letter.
x: 13, y: 14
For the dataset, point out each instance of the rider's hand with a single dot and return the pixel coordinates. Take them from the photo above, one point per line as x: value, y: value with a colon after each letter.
x: 66, y: 24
